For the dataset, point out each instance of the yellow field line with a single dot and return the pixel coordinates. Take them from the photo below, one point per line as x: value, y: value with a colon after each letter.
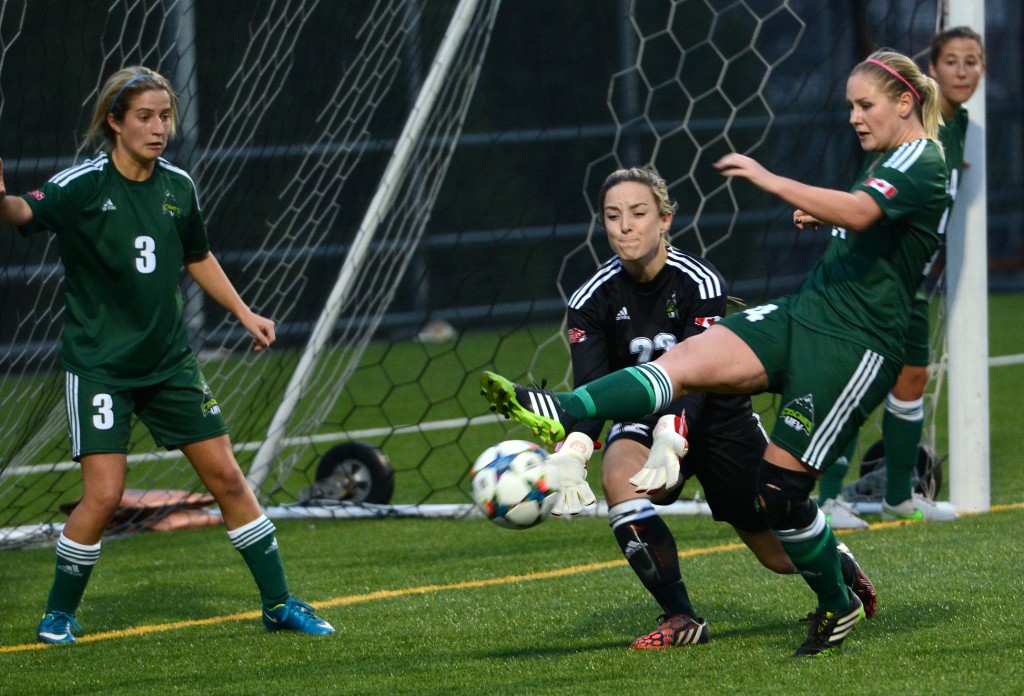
x: 358, y: 599
x: 420, y: 590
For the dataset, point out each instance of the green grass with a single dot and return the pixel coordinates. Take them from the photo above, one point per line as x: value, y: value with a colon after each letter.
x: 449, y: 607
x: 460, y: 607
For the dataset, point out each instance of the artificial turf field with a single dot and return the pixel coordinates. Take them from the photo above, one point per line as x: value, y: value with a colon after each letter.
x: 461, y: 606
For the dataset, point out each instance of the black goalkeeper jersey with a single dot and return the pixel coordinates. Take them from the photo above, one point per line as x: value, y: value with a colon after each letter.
x: 616, y: 322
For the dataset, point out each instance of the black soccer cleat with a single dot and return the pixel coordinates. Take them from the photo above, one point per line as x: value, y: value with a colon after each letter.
x: 829, y: 629
x: 538, y: 409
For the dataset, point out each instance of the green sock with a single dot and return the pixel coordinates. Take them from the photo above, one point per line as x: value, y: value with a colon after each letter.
x: 623, y: 395
x: 830, y: 485
x: 902, y: 426
x: 258, y: 546
x: 74, y: 566
x: 816, y: 557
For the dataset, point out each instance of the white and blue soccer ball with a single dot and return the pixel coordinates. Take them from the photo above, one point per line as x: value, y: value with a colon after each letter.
x: 510, y: 484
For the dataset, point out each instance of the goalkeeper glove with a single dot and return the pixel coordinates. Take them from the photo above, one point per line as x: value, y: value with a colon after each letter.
x: 567, y: 474
x: 661, y: 470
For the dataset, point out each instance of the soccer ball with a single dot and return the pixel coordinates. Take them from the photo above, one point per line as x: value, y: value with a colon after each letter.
x: 510, y: 484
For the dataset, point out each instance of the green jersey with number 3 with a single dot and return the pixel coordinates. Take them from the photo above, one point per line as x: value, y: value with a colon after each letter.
x: 123, y: 244
x: 861, y: 289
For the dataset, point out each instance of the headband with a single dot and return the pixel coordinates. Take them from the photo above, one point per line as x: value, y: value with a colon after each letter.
x: 118, y: 95
x: 900, y: 77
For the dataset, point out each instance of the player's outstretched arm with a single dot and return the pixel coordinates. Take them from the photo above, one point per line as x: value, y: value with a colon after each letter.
x: 208, y: 273
x: 14, y: 211
x: 855, y: 211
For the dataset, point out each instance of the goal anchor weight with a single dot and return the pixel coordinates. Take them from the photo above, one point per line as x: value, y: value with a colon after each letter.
x: 352, y: 472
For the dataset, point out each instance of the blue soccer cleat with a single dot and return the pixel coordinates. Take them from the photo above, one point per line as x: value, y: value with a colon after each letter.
x: 58, y: 627
x: 294, y: 615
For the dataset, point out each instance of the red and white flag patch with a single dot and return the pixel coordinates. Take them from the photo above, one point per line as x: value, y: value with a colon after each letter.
x: 577, y: 335
x: 882, y: 186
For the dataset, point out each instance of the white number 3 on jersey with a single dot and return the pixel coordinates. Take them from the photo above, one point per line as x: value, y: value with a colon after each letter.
x: 146, y: 260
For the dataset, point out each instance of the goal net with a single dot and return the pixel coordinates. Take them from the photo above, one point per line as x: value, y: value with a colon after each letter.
x: 290, y: 113
x: 393, y: 285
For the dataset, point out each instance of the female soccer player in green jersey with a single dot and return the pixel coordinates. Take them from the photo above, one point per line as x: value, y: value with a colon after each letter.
x: 957, y: 62
x: 126, y: 223
x: 832, y: 350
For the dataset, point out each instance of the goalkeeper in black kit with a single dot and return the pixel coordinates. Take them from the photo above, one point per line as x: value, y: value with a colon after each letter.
x: 638, y: 304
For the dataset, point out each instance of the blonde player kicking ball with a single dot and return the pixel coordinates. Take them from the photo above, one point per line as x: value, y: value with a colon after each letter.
x: 957, y: 62
x: 853, y: 307
x: 127, y: 221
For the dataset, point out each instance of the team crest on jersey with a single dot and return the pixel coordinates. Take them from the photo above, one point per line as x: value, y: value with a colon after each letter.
x: 882, y: 186
x: 170, y: 206
x: 799, y: 414
x: 672, y: 307
x: 37, y: 194
x: 577, y: 335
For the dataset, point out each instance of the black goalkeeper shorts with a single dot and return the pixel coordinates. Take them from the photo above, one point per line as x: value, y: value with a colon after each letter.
x: 724, y: 459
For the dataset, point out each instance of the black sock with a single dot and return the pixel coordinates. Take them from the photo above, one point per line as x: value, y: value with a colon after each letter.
x: 648, y: 545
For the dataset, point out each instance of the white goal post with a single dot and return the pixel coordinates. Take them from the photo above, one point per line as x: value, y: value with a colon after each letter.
x: 967, y: 306
x: 398, y: 169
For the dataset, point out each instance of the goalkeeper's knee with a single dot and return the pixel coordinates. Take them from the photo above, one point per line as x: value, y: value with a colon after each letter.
x: 784, y: 497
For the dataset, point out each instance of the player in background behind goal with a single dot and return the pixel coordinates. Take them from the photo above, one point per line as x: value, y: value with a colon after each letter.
x: 636, y: 306
x: 957, y: 62
x: 833, y: 349
x: 126, y: 222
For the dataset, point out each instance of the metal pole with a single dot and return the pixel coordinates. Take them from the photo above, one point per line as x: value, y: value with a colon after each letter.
x: 967, y: 306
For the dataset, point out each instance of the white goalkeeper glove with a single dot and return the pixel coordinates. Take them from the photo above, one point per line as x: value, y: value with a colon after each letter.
x: 661, y: 470
x: 567, y: 474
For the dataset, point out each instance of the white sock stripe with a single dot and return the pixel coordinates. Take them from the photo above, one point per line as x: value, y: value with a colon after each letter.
x: 905, y: 410
x: 78, y: 553
x: 248, y: 534
x: 630, y: 511
x: 796, y: 535
x: 660, y: 383
x: 828, y: 430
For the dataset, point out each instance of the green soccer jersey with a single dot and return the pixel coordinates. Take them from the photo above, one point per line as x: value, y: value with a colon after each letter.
x: 861, y: 289
x: 952, y: 135
x: 123, y: 244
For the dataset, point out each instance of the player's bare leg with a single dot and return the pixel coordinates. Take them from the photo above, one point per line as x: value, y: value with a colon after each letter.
x: 253, y: 535
x: 78, y: 548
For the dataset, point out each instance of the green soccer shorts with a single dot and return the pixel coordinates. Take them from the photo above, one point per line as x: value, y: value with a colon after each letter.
x: 177, y: 411
x: 829, y: 386
x: 917, y: 348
